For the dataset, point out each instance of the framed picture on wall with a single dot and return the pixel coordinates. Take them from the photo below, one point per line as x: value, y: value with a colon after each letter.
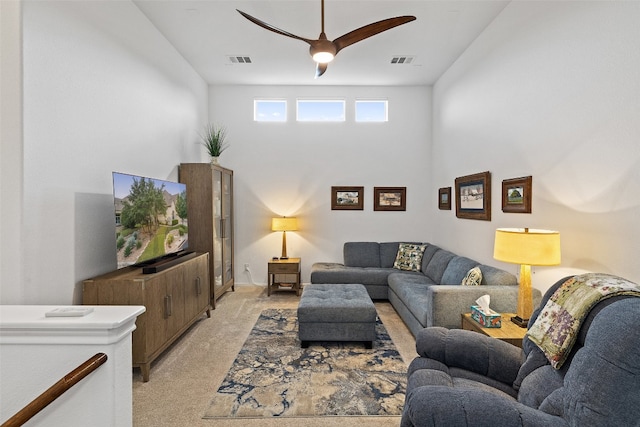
x: 390, y: 198
x: 444, y: 198
x: 473, y: 196
x: 516, y: 195
x: 347, y: 198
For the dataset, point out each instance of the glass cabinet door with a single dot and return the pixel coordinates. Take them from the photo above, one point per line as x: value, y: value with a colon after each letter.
x: 218, y: 231
x: 227, y: 224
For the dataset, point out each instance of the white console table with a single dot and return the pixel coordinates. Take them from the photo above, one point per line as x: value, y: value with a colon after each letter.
x: 37, y: 351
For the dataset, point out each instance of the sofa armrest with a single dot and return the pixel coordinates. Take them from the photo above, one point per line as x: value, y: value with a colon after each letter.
x: 461, y: 407
x: 471, y: 351
x: 448, y: 302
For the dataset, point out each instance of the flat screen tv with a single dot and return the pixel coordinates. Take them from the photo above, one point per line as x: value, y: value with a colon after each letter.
x: 151, y: 219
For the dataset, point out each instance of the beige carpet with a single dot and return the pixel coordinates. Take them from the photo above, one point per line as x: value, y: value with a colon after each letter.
x: 185, y: 377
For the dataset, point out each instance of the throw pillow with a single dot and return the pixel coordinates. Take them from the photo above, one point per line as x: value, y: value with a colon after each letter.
x: 473, y: 277
x: 409, y: 257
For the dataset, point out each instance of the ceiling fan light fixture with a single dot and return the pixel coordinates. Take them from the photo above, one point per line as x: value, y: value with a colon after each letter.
x: 323, y: 57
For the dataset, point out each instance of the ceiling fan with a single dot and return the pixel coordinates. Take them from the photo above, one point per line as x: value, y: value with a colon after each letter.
x: 323, y: 50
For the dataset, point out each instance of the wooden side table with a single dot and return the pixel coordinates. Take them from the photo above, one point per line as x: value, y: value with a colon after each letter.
x: 284, y: 266
x: 509, y: 332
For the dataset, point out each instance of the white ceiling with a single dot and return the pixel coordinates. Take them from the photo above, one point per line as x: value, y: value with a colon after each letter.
x: 207, y: 32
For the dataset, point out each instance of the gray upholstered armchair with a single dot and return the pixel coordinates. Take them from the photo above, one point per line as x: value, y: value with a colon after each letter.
x: 462, y: 378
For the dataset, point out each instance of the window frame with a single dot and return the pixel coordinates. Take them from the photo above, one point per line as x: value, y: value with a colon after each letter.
x: 257, y: 101
x: 322, y: 100
x: 384, y: 101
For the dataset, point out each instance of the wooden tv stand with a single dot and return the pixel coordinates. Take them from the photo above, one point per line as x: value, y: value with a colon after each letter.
x: 174, y: 299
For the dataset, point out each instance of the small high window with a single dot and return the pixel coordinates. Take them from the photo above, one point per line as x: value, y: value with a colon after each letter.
x: 321, y: 110
x: 270, y: 110
x: 371, y: 111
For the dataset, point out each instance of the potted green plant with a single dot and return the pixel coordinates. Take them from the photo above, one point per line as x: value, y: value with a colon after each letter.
x: 213, y: 140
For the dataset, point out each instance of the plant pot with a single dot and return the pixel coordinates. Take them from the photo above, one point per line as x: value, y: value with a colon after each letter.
x: 214, y: 161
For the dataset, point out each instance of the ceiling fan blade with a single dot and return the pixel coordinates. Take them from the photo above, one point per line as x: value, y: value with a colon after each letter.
x: 370, y: 30
x: 320, y: 69
x: 272, y: 28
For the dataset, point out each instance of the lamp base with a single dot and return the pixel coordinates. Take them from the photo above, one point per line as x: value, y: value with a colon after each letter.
x: 284, y: 257
x: 520, y: 321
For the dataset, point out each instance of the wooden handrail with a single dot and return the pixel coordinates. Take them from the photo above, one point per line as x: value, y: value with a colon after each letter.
x: 55, y: 391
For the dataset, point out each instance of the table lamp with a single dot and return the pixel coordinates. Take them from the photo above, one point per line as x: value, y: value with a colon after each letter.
x: 284, y: 224
x: 526, y: 247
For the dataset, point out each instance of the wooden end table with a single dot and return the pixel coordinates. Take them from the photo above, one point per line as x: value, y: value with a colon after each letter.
x: 289, y: 266
x: 509, y: 332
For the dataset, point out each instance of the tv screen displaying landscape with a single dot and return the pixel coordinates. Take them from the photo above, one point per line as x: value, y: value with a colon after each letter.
x: 150, y: 217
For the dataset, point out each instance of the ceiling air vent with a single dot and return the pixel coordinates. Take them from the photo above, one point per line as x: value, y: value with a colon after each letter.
x: 404, y: 59
x: 238, y: 59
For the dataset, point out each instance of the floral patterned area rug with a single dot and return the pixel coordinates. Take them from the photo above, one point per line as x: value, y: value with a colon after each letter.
x: 273, y: 376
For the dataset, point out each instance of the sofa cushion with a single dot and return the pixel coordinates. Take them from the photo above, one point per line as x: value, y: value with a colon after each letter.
x: 473, y: 277
x: 361, y: 254
x: 438, y: 264
x: 457, y: 268
x: 427, y: 255
x: 409, y: 257
x: 412, y: 290
x: 388, y: 252
x: 397, y: 278
x: 330, y: 272
x: 539, y: 385
x: 495, y: 276
x: 469, y: 351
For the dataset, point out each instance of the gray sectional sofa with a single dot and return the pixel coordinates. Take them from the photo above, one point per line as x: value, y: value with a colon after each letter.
x: 432, y: 296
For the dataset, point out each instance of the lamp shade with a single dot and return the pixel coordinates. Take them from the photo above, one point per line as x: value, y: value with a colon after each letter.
x: 527, y: 246
x: 284, y: 224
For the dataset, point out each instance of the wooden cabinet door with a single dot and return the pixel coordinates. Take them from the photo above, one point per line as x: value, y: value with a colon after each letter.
x: 174, y: 300
x: 153, y: 321
x: 196, y: 280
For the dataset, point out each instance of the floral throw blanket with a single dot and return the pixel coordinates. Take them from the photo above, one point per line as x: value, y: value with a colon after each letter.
x: 556, y: 328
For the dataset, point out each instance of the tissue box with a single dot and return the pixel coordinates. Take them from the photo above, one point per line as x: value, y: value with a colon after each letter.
x: 493, y: 320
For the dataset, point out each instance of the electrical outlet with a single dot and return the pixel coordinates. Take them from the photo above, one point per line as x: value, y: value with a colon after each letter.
x: 246, y: 266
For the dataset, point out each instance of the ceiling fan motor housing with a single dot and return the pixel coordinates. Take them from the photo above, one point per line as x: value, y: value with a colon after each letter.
x: 323, y: 50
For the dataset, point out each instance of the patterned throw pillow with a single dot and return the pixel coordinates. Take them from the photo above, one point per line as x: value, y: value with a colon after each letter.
x: 409, y: 257
x: 473, y: 277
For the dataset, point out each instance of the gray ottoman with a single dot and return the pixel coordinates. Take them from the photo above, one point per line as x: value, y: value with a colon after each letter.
x: 336, y: 312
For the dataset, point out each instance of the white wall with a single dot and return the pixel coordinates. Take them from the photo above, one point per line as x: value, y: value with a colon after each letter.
x: 550, y: 89
x: 289, y: 169
x: 10, y: 149
x: 103, y: 91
